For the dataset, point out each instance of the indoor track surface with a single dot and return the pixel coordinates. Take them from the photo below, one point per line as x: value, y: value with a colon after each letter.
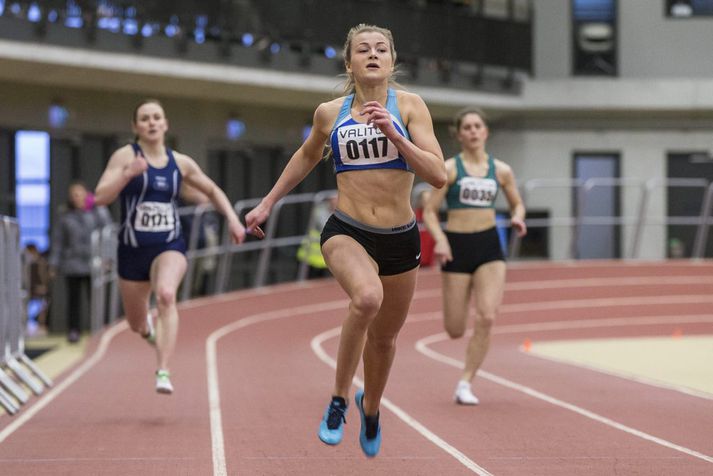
x: 253, y: 372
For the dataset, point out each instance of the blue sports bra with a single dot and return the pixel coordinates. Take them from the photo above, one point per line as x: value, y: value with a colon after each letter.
x: 359, y: 146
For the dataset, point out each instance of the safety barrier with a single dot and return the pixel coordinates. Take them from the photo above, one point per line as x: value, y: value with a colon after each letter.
x: 578, y: 221
x: 17, y: 372
x: 105, y: 293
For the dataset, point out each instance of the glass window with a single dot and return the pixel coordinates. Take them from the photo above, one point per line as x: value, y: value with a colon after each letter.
x: 32, y: 190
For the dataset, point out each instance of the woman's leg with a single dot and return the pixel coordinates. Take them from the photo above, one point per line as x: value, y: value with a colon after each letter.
x: 167, y: 271
x: 488, y: 287
x: 357, y: 273
x: 74, y: 300
x: 456, y: 289
x: 380, y: 345
x: 135, y: 299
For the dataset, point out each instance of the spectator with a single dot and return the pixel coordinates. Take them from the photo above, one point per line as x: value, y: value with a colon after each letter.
x: 71, y: 251
x: 37, y: 289
x: 310, y: 251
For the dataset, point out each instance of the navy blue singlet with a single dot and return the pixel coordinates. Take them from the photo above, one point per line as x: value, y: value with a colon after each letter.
x: 149, y: 215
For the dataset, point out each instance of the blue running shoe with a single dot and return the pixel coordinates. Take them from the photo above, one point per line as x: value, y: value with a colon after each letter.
x: 370, y: 434
x: 331, y: 428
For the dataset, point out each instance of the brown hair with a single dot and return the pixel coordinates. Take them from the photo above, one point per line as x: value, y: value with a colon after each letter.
x: 458, y: 119
x: 347, y: 51
x: 145, y: 101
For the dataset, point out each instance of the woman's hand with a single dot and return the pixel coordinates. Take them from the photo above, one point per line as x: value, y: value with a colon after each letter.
x: 518, y: 224
x: 255, y: 217
x: 136, y: 166
x: 442, y: 252
x: 379, y: 117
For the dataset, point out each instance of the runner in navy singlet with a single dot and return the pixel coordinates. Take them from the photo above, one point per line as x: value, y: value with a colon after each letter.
x: 380, y: 137
x: 146, y: 176
x: 470, y: 253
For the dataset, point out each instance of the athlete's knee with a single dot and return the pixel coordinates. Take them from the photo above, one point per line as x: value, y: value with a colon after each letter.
x: 366, y: 302
x: 485, y: 320
x: 165, y: 296
x: 454, y: 328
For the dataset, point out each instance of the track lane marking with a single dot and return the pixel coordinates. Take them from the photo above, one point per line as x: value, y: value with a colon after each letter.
x: 213, y: 382
x: 217, y: 438
x: 593, y: 324
x: 422, y: 347
x: 57, y: 390
x: 317, y: 348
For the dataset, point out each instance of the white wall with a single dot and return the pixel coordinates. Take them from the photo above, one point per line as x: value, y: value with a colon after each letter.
x: 548, y: 154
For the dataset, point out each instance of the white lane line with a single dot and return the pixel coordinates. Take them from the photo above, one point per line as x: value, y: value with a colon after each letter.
x: 216, y: 419
x: 25, y: 416
x: 422, y: 346
x: 592, y: 324
x: 316, y: 345
x: 591, y: 283
x: 595, y: 302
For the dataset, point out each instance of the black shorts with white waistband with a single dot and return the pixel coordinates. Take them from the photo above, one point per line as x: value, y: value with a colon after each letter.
x: 471, y: 250
x: 395, y: 250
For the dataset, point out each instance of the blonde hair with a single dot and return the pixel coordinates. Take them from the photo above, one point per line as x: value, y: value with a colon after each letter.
x: 349, y: 86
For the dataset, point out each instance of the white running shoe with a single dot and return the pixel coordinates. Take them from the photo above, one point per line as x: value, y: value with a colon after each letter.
x: 464, y: 395
x: 163, y: 382
x: 151, y: 336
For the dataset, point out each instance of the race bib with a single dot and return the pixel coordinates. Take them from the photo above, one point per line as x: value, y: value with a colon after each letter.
x: 360, y: 144
x: 154, y: 217
x: 477, y: 191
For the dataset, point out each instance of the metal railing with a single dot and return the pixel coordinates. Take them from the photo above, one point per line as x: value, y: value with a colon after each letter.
x: 578, y: 219
x: 105, y: 293
x: 17, y: 372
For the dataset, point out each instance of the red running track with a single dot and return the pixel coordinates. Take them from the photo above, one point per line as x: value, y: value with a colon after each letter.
x: 252, y: 376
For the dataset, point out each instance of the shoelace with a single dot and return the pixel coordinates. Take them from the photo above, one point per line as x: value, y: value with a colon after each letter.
x: 335, y: 416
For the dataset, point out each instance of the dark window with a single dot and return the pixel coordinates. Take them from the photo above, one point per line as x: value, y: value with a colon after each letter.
x: 594, y: 28
x: 689, y: 8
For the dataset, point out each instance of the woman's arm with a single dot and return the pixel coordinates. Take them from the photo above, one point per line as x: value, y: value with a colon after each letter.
x: 193, y: 176
x: 422, y: 152
x: 506, y: 177
x: 432, y: 221
x: 299, y: 165
x: 122, y: 167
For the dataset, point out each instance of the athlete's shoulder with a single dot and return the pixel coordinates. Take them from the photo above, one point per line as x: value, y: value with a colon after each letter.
x: 185, y: 163
x: 501, y: 166
x: 503, y: 171
x: 123, y: 154
x: 326, y: 113
x: 407, y: 97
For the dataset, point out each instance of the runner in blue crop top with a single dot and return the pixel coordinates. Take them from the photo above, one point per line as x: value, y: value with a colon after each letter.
x: 383, y: 138
x: 147, y: 178
x: 470, y: 252
x: 359, y: 146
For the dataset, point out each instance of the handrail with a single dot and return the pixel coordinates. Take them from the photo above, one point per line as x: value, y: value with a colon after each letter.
x: 582, y: 196
x: 643, y: 220
x: 702, y: 233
